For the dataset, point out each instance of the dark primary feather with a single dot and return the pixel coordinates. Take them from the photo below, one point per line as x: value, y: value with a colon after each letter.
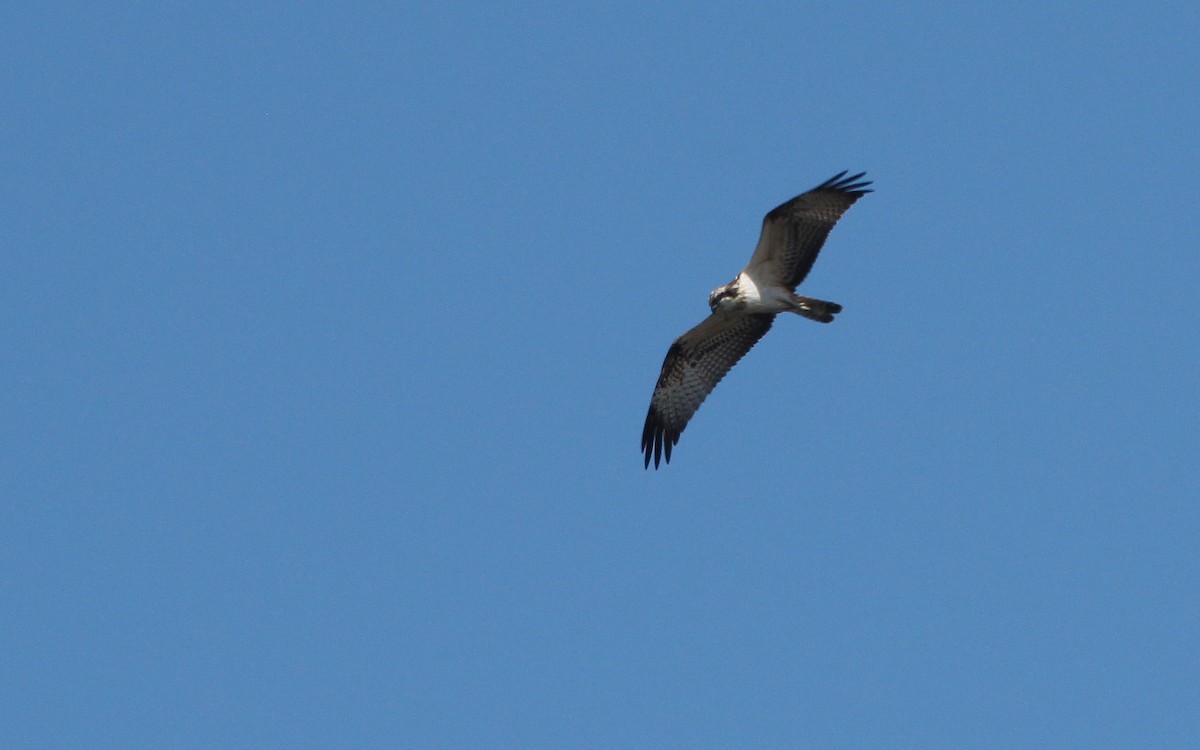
x: 793, y: 232
x: 694, y: 365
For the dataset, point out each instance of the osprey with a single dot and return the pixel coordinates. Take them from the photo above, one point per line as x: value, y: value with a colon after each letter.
x: 744, y: 309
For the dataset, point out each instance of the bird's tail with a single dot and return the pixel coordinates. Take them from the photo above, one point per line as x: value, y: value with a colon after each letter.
x: 815, y: 309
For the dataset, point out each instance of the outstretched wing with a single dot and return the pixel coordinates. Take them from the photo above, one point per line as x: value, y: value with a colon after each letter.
x: 695, y: 363
x: 793, y: 233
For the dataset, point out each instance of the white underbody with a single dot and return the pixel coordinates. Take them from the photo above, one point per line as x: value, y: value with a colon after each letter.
x: 754, y: 297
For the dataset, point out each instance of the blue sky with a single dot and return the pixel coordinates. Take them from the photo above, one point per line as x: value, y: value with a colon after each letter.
x: 329, y: 333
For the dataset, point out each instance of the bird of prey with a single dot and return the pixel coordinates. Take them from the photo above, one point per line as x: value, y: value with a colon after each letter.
x: 744, y: 309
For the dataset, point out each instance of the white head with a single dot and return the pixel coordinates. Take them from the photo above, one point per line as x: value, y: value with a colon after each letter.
x: 723, y: 297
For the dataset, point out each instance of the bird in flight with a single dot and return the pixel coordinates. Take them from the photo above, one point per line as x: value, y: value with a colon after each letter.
x: 744, y: 309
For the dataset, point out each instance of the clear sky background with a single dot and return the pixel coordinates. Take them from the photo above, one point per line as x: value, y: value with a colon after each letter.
x: 328, y: 332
